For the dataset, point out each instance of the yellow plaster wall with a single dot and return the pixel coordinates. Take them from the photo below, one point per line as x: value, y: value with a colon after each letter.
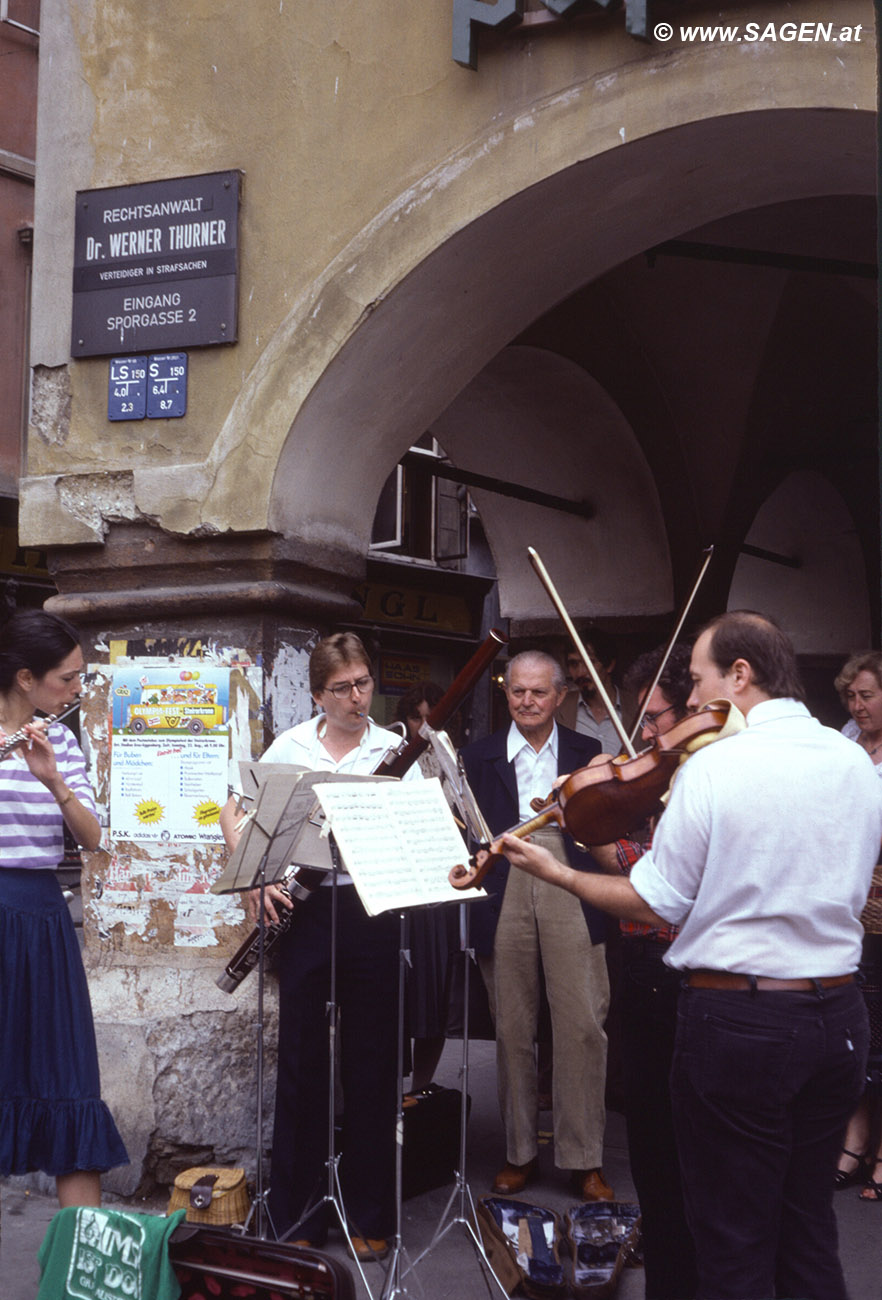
x: 364, y: 147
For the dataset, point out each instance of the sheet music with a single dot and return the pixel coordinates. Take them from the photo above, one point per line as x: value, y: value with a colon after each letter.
x: 285, y: 824
x: 398, y: 841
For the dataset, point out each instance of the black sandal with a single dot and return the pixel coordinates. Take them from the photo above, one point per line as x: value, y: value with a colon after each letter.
x: 842, y: 1177
x: 871, y: 1186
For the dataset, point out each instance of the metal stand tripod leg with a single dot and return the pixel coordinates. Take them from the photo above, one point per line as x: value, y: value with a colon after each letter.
x: 333, y: 1196
x: 394, y: 1284
x: 460, y: 1208
x: 259, y: 1212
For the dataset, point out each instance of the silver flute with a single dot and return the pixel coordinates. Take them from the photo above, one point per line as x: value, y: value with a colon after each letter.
x: 11, y: 742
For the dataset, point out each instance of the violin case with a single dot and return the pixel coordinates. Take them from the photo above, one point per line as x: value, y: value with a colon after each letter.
x: 219, y: 1264
x: 525, y: 1242
x: 603, y: 1237
x: 431, y: 1139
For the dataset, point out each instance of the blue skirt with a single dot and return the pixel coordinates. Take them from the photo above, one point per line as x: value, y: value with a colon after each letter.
x: 52, y: 1117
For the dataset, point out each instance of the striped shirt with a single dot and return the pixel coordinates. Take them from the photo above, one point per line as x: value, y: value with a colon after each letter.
x: 31, y: 822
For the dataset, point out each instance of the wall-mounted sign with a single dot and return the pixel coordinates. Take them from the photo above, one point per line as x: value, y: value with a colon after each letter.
x: 409, y: 607
x: 156, y: 265
x: 127, y: 388
x: 398, y: 672
x: 155, y: 387
x: 167, y: 386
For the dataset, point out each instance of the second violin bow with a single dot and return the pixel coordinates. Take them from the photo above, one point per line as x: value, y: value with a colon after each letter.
x: 544, y: 578
x: 708, y: 554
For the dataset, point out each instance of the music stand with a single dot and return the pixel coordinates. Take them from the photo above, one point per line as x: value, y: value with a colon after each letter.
x: 394, y: 1284
x: 424, y: 858
x: 285, y: 828
x: 460, y: 1207
x: 282, y: 806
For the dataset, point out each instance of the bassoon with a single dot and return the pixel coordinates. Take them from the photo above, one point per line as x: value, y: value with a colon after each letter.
x: 298, y: 882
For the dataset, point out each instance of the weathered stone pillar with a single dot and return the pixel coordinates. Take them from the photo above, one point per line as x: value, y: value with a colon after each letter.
x: 178, y: 1055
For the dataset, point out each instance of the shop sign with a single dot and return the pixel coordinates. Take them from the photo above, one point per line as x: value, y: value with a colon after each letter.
x: 408, y: 607
x: 398, y: 672
x: 156, y: 265
x: 468, y: 14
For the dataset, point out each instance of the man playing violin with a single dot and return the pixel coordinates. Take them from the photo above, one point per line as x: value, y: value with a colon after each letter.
x: 526, y: 922
x: 649, y: 992
x: 763, y: 858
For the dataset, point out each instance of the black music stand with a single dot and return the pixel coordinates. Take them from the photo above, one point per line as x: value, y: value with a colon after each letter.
x: 285, y: 827
x: 460, y: 1208
x: 447, y: 841
x: 270, y: 833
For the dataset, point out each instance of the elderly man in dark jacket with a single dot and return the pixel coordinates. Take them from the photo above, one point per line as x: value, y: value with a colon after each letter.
x: 525, y: 923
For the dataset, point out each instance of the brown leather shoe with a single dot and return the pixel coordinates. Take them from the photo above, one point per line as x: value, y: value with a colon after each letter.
x: 514, y: 1178
x: 367, y: 1249
x: 592, y: 1186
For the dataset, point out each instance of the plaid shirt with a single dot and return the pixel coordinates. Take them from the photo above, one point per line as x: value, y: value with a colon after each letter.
x: 627, y: 853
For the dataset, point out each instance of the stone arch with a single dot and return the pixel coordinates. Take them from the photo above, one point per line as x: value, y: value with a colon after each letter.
x: 805, y: 519
x: 286, y: 452
x: 536, y: 417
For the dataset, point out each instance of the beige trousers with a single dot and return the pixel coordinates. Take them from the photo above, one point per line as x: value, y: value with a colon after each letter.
x: 540, y: 922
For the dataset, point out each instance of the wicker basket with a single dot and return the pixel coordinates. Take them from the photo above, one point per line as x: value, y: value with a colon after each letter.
x: 211, y: 1194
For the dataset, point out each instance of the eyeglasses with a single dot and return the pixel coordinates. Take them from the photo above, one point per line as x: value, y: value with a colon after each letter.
x: 341, y: 689
x: 649, y: 721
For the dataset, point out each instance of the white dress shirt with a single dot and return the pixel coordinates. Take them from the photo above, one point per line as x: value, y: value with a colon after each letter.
x: 536, y: 773
x: 765, y: 853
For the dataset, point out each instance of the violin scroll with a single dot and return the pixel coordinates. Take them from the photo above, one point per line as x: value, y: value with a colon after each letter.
x: 480, y: 866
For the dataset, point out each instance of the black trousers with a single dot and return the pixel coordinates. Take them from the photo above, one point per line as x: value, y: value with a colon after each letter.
x: 367, y: 997
x: 762, y: 1087
x: 649, y: 991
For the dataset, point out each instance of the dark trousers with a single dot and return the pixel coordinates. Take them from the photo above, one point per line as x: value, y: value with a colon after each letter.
x: 367, y: 997
x: 762, y: 1087
x: 649, y: 991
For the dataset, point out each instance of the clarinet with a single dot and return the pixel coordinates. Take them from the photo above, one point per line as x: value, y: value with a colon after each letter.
x: 299, y: 883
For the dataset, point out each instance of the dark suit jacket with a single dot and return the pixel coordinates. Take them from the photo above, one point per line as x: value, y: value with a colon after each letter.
x: 494, y: 784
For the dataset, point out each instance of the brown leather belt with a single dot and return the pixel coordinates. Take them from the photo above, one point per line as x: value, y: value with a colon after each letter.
x: 723, y: 979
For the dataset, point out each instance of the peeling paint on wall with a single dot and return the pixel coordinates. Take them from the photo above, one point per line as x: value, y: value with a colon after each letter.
x: 288, y: 693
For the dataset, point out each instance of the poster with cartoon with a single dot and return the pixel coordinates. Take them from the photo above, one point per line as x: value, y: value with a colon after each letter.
x: 170, y: 742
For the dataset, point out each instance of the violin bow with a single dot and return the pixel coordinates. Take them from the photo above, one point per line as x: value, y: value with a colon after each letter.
x: 544, y: 578
x: 708, y: 554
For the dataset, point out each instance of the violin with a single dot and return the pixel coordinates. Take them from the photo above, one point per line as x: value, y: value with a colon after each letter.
x: 604, y: 801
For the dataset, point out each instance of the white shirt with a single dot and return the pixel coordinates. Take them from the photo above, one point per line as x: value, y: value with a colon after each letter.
x: 302, y: 745
x: 765, y: 853
x: 536, y: 773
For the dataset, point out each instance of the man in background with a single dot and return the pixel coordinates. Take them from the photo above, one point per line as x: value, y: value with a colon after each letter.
x: 583, y: 709
x: 526, y: 924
